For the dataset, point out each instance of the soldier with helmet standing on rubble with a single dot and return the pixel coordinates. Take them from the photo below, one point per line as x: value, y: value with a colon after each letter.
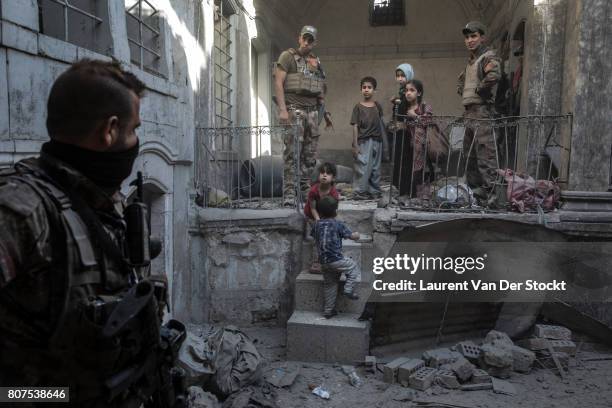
x: 477, y: 86
x: 299, y: 83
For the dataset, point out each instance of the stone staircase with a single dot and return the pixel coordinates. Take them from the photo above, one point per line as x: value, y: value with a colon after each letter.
x: 343, y: 338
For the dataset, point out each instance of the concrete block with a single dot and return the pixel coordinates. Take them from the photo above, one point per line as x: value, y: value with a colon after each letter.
x: 533, y: 343
x: 496, y: 356
x: 566, y: 346
x: 437, y: 357
x: 311, y: 337
x: 498, y: 338
x: 522, y: 359
x: 19, y: 38
x: 423, y: 379
x: 552, y: 332
x: 390, y: 369
x: 447, y: 379
x: 407, y: 369
x: 309, y: 294
x: 462, y: 368
x: 480, y: 376
x: 469, y: 350
x: 22, y: 12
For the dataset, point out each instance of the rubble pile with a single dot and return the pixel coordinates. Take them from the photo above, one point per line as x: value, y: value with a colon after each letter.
x: 469, y: 366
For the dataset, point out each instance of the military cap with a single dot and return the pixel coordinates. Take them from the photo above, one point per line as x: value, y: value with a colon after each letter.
x: 309, y: 30
x: 474, y: 26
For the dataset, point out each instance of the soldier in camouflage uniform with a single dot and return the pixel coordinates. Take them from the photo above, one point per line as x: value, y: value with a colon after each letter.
x: 477, y: 86
x: 65, y: 283
x: 299, y: 85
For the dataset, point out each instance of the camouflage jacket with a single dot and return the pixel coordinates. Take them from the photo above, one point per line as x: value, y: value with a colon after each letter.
x: 489, y: 74
x: 51, y: 274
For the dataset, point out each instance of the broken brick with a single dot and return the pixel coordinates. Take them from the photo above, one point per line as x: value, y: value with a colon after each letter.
x: 480, y: 376
x: 436, y: 358
x: 447, y: 379
x: 533, y: 343
x: 423, y: 379
x: 390, y: 369
x: 462, y: 368
x: 370, y: 363
x: 407, y: 369
x: 552, y: 332
x: 469, y: 350
x: 565, y: 346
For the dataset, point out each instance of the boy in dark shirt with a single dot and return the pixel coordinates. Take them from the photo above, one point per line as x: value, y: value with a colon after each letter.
x: 328, y: 234
x: 368, y: 132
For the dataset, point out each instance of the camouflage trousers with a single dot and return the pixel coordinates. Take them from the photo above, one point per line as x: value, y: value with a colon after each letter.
x: 308, y: 143
x: 479, y: 150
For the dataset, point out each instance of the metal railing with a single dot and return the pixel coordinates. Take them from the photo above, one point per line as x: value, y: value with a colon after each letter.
x: 242, y: 167
x: 440, y: 162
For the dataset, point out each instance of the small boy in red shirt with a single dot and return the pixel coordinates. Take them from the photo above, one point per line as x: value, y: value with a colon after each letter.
x: 323, y: 187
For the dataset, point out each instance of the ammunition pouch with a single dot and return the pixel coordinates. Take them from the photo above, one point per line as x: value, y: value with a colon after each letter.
x: 301, y: 83
x: 304, y: 81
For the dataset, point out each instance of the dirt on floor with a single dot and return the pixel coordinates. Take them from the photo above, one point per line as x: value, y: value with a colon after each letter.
x: 587, y: 384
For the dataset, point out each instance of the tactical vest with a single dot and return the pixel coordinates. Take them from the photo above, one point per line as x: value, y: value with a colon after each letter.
x: 304, y: 81
x: 90, y: 334
x: 473, y: 76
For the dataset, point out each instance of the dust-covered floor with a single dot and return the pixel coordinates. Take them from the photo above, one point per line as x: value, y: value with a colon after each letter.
x: 588, y: 383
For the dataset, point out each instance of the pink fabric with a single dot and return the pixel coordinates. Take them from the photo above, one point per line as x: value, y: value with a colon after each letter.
x: 525, y: 193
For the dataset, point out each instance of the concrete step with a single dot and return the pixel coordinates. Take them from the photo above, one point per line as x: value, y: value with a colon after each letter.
x: 342, y: 339
x: 350, y: 249
x: 309, y: 294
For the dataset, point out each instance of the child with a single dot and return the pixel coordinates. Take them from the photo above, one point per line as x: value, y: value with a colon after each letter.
x: 402, y: 151
x: 368, y: 132
x: 403, y: 74
x: 324, y: 187
x: 328, y: 234
x: 422, y: 131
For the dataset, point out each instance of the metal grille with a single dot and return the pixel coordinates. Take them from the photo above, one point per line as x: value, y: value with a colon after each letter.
x: 386, y: 12
x: 229, y: 177
x: 223, y: 75
x: 71, y: 13
x: 143, y: 26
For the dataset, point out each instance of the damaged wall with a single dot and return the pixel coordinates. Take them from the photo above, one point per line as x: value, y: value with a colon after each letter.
x: 244, y: 264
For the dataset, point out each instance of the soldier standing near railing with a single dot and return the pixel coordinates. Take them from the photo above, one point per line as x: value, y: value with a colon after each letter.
x: 299, y: 84
x: 477, y: 86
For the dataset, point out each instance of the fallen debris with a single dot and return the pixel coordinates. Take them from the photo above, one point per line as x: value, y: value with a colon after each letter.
x: 390, y: 369
x: 423, y: 379
x: 503, y: 387
x: 282, y: 377
x: 552, y: 332
x: 407, y: 369
x: 436, y: 358
x: 320, y: 391
x: 476, y: 387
